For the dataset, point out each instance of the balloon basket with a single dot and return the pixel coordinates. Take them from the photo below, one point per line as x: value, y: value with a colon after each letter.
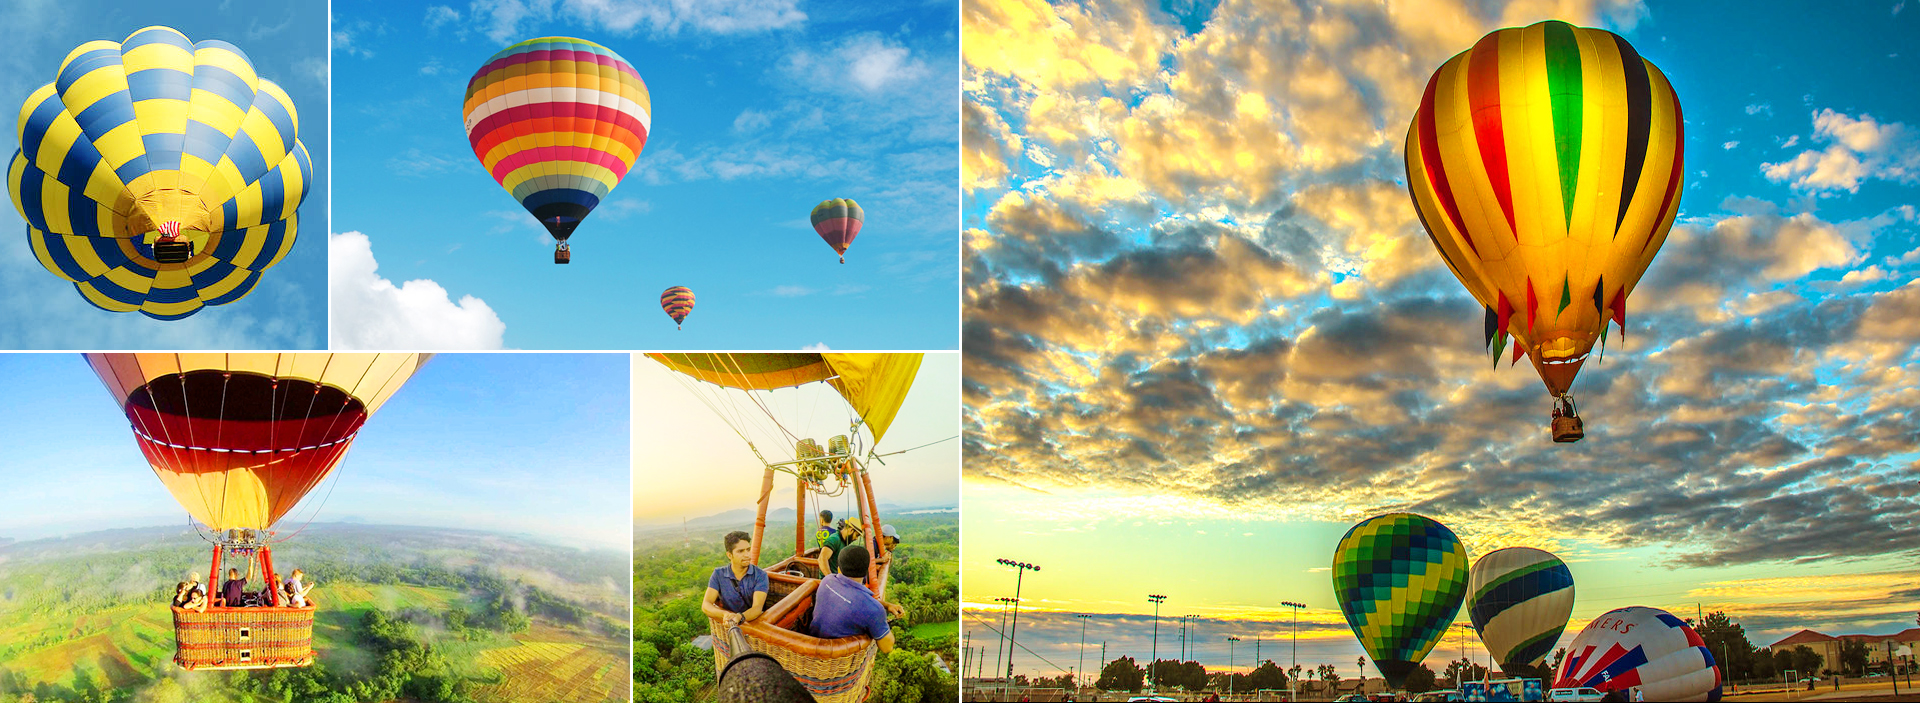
x: 562, y: 256
x: 1568, y: 428
x: 834, y: 671
x: 243, y: 638
x: 173, y: 252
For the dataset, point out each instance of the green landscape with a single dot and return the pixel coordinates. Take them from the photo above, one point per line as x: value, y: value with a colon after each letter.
x: 405, y: 614
x: 670, y: 570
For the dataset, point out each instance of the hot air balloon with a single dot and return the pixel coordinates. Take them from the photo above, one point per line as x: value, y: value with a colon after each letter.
x: 873, y: 386
x: 158, y: 174
x: 238, y: 439
x: 558, y: 122
x: 1545, y: 165
x: 838, y: 221
x: 1644, y: 648
x: 1519, y: 599
x: 677, y: 301
x: 1400, y: 579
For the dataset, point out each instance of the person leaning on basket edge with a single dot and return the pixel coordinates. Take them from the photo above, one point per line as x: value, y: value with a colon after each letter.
x: 844, y: 607
x: 850, y: 531
x: 737, y: 592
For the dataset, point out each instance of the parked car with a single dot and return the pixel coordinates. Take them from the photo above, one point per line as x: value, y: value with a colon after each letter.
x: 1575, y: 694
x: 1351, y: 698
x: 1447, y: 696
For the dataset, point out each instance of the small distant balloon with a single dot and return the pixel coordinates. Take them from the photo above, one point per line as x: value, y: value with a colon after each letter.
x: 677, y: 302
x: 838, y: 221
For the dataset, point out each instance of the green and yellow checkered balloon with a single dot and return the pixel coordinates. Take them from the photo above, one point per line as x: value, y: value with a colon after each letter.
x: 1400, y: 579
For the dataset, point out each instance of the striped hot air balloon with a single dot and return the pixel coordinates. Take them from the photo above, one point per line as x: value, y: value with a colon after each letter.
x: 558, y: 122
x: 1644, y: 648
x: 159, y: 135
x: 838, y: 221
x: 677, y: 301
x: 1400, y: 579
x: 1545, y: 164
x: 1519, y: 599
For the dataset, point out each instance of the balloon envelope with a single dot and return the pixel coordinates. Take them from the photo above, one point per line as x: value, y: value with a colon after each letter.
x: 239, y: 438
x: 874, y: 385
x: 159, y: 133
x: 1400, y: 579
x: 1519, y: 600
x: 1545, y: 164
x: 677, y: 302
x: 557, y: 122
x: 838, y: 221
x: 1641, y: 647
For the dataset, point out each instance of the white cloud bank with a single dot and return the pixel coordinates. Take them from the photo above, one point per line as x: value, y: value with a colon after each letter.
x: 370, y: 312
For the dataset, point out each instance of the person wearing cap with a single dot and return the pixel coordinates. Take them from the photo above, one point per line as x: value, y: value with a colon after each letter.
x: 889, y: 536
x: 736, y: 592
x: 843, y: 607
x: 849, y: 535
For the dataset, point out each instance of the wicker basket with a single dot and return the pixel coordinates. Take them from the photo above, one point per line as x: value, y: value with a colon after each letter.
x: 1568, y: 428
x: 172, y: 252
x: 243, y: 638
x: 834, y: 671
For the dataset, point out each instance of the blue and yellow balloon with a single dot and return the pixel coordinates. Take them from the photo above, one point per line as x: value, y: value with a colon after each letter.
x: 158, y: 140
x: 1400, y: 579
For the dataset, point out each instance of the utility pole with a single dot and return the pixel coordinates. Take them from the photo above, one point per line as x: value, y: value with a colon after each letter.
x: 1156, y: 600
x: 1020, y: 569
x: 1004, y: 602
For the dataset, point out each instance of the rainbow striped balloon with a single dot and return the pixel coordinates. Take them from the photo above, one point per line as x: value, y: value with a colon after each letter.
x: 677, y: 301
x: 157, y: 134
x: 1545, y: 163
x: 558, y: 122
x: 838, y: 221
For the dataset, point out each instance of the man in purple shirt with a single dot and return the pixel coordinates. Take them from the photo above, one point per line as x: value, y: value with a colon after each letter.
x: 234, y: 591
x: 843, y: 607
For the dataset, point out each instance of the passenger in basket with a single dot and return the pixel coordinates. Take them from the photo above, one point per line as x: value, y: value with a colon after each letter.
x: 843, y: 607
x: 297, y: 589
x: 233, y: 593
x: 849, y: 534
x: 826, y: 528
x: 737, y: 592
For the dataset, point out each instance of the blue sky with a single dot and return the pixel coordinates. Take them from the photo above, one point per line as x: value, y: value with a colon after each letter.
x: 530, y: 444
x: 1205, y: 326
x: 287, y: 41
x: 760, y: 111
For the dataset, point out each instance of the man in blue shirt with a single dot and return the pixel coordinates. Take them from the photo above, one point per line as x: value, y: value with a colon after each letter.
x: 737, y: 592
x: 843, y: 607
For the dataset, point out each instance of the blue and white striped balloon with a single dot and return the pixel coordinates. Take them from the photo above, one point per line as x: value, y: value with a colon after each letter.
x: 1519, y: 599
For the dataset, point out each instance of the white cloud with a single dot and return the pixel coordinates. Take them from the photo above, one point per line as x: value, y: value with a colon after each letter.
x: 791, y: 291
x: 751, y: 120
x: 1730, y: 145
x: 1858, y: 149
x: 1762, y: 108
x: 440, y: 15
x: 432, y: 68
x: 370, y: 312
x: 502, y: 19
x: 869, y: 61
x: 822, y: 346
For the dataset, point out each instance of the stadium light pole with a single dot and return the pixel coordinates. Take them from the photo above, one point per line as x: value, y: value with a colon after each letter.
x: 1004, y: 602
x: 1156, y: 599
x: 1230, y: 642
x: 1083, y: 647
x: 1020, y: 569
x: 1296, y: 641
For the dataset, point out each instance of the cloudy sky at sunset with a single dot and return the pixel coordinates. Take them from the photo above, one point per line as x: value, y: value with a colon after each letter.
x: 1205, y: 332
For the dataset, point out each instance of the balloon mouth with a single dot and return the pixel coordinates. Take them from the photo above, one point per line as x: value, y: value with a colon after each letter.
x: 1576, y: 360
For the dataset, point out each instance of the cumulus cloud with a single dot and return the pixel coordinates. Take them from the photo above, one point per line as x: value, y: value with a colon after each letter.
x: 370, y: 312
x: 1858, y: 149
x: 868, y: 62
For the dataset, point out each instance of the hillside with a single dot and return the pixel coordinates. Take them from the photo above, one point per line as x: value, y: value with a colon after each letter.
x: 406, y: 613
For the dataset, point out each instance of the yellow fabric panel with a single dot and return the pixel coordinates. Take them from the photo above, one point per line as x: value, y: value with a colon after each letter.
x: 162, y: 116
x: 224, y: 181
x: 874, y: 384
x: 260, y: 129
x: 94, y: 86
x: 93, y: 294
x: 34, y: 99
x: 53, y: 204
x: 239, y: 494
x: 83, y: 254
x: 223, y: 286
x: 286, y: 241
x: 121, y: 144
x: 157, y: 55
x: 160, y: 308
x: 172, y: 278
x: 561, y: 168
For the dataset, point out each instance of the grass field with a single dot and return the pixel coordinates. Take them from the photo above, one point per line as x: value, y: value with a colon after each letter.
x: 934, y: 629
x: 546, y: 664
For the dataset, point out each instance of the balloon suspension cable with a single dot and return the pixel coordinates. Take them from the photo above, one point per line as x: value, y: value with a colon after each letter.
x: 923, y: 446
